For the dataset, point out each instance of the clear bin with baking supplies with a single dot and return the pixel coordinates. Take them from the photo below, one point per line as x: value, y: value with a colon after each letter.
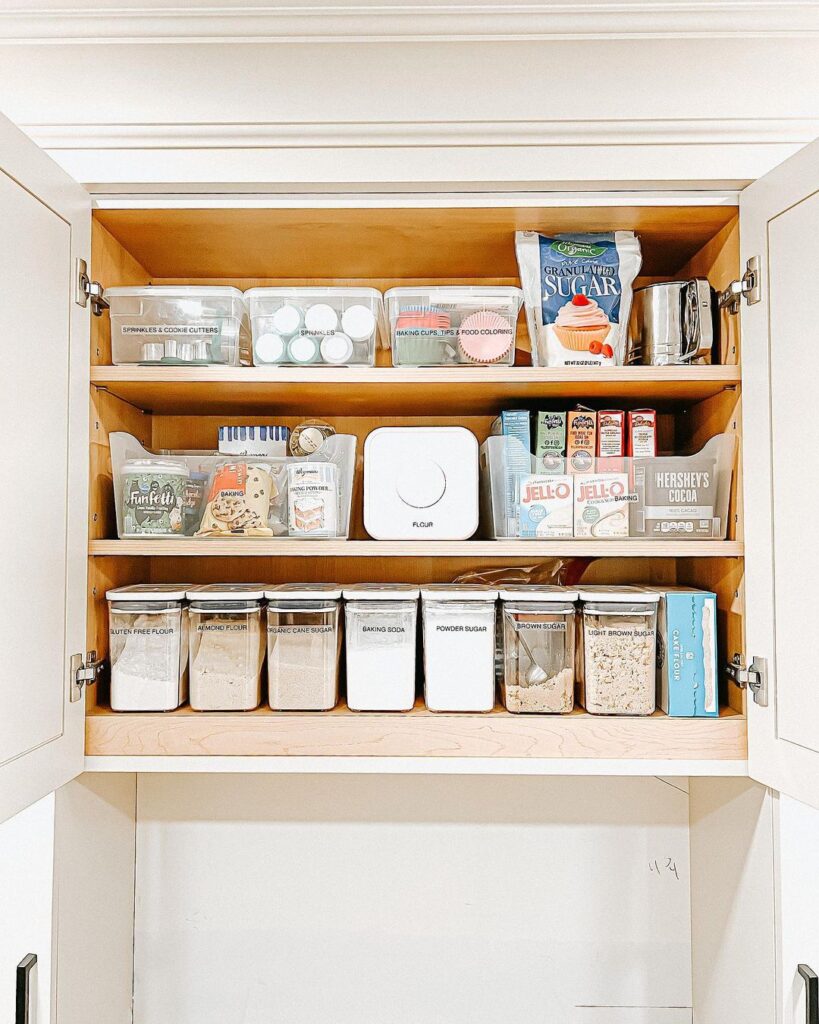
x: 148, y: 646
x: 453, y: 325
x: 227, y: 646
x: 325, y: 326
x: 619, y: 648
x: 380, y: 632
x: 667, y: 497
x: 179, y: 325
x: 459, y: 646
x: 208, y: 494
x: 303, y: 646
x: 538, y: 645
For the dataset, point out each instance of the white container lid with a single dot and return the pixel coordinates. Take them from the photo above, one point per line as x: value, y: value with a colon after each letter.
x: 313, y: 293
x: 541, y: 593
x: 303, y: 592
x: 460, y: 293
x: 154, y: 466
x: 182, y: 291
x: 381, y: 592
x: 458, y: 592
x: 227, y: 592
x: 149, y: 591
x: 603, y: 594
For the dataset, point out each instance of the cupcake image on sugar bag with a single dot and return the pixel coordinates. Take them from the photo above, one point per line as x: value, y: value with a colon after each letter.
x: 582, y: 326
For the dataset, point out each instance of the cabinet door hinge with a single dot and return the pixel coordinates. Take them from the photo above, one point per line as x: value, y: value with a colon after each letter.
x: 83, y: 672
x: 755, y: 677
x: 749, y: 285
x: 87, y: 289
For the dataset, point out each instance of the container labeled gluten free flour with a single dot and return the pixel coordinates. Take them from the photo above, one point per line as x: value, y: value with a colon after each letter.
x: 303, y: 639
x: 459, y: 647
x: 619, y: 646
x: 381, y: 623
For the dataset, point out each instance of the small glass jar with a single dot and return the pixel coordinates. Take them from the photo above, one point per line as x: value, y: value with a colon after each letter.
x: 459, y: 647
x: 619, y: 650
x: 538, y: 644
x: 148, y: 642
x: 303, y: 646
x: 226, y: 647
x: 380, y: 641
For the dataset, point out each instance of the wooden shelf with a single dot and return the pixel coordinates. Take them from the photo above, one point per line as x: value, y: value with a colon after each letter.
x: 372, y: 391
x: 419, y: 733
x: 523, y: 550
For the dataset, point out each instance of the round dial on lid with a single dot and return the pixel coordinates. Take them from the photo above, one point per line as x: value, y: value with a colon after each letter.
x: 422, y: 485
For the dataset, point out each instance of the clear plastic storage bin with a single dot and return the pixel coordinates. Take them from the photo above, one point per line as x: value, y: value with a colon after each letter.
x: 179, y: 325
x: 538, y: 645
x: 207, y: 494
x: 619, y: 650
x: 303, y: 646
x: 148, y: 641
x: 453, y: 325
x: 303, y: 326
x: 227, y: 646
x: 380, y: 640
x: 459, y: 647
x: 684, y: 497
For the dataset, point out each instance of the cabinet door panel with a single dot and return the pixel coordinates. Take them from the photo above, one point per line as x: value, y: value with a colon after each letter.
x: 779, y: 222
x: 43, y: 513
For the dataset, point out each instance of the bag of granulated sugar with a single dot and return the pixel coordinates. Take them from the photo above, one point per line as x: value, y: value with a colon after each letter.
x: 577, y: 290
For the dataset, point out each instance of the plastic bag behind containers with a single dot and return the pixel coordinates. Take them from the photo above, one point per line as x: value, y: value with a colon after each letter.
x: 564, y: 572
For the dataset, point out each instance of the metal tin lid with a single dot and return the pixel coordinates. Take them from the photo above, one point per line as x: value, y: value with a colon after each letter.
x: 381, y: 592
x: 303, y: 592
x: 227, y: 592
x: 602, y: 594
x: 458, y: 592
x: 146, y: 591
x: 542, y: 593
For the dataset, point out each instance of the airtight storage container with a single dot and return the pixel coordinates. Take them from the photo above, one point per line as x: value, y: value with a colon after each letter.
x: 538, y: 645
x: 459, y: 647
x: 380, y: 640
x: 179, y: 325
x: 303, y: 641
x: 148, y: 641
x: 226, y: 647
x: 303, y: 326
x: 619, y: 650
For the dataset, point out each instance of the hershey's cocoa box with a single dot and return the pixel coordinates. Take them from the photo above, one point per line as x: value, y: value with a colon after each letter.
x: 676, y: 497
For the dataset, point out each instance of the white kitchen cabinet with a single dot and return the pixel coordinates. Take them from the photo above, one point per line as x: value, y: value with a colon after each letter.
x: 127, y: 839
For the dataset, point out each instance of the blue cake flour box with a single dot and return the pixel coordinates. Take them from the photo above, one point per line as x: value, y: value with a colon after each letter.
x: 687, y: 680
x: 513, y: 424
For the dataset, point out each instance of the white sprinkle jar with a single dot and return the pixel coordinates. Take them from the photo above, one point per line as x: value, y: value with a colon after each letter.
x: 226, y: 647
x: 459, y: 647
x: 619, y: 650
x: 538, y: 640
x: 381, y: 622
x: 148, y: 645
x: 303, y: 646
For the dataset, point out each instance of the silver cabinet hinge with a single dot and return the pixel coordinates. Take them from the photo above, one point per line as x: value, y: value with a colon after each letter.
x: 749, y: 285
x: 83, y: 671
x: 87, y: 289
x: 755, y: 677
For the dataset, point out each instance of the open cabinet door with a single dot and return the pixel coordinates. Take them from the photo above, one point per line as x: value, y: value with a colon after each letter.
x: 779, y: 224
x: 45, y: 225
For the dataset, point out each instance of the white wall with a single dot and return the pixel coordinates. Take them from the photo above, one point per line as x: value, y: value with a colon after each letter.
x: 416, y: 900
x: 26, y: 886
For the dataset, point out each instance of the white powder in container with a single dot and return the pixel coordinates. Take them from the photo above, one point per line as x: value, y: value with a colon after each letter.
x: 380, y: 640
x: 303, y: 646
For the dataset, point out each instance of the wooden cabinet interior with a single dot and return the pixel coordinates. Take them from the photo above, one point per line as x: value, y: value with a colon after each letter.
x: 382, y: 248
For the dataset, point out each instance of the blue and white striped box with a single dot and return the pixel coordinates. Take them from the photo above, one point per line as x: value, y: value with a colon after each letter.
x: 254, y: 441
x: 687, y: 677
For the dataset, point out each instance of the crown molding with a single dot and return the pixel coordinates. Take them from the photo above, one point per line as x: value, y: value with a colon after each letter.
x: 424, y: 134
x: 411, y: 22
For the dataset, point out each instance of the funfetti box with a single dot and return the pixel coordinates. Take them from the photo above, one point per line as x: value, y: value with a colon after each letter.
x: 545, y: 505
x: 687, y: 680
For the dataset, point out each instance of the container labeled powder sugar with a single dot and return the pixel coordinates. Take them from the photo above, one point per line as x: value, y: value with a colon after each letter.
x: 227, y: 646
x: 459, y: 647
x: 380, y: 641
x: 619, y: 648
x: 303, y: 641
x: 148, y: 641
x: 538, y: 641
